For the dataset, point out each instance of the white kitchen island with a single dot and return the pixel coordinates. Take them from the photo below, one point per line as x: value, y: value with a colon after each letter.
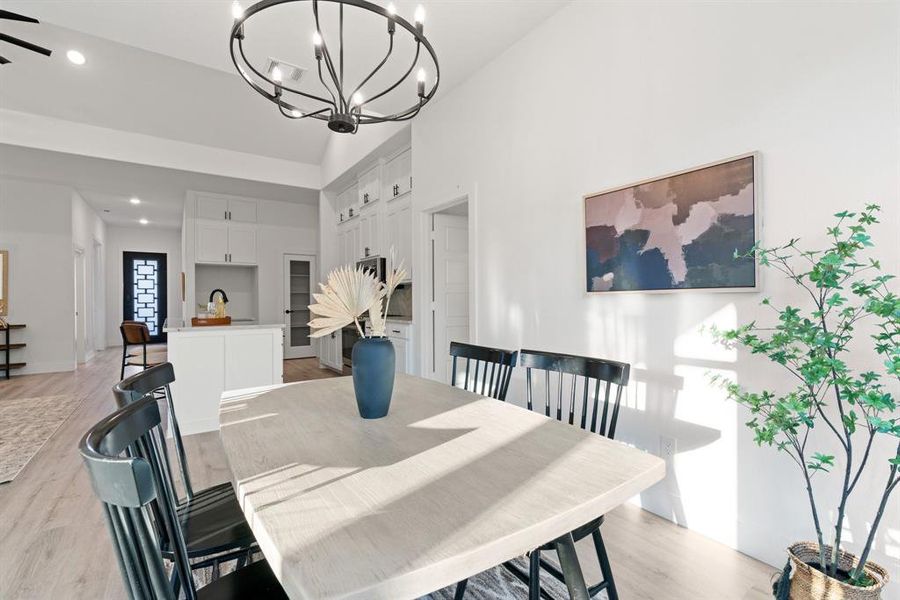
x: 212, y: 360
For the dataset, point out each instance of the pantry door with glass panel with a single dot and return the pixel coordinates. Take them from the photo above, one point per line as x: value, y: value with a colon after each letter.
x: 299, y: 279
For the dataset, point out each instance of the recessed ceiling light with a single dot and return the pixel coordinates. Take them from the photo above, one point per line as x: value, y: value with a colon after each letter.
x: 135, y: 200
x: 75, y: 57
x: 143, y: 221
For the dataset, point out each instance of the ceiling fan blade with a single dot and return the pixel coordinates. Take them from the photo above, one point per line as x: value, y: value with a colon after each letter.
x: 24, y: 44
x: 4, y: 60
x: 5, y: 14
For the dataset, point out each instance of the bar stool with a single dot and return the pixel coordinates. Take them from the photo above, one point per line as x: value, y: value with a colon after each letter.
x: 136, y: 333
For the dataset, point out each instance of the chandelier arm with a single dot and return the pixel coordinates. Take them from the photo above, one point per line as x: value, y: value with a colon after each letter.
x: 260, y: 89
x: 328, y: 62
x: 406, y: 115
x: 402, y: 79
x: 302, y: 115
x: 322, y: 79
x: 376, y: 69
x: 341, y: 41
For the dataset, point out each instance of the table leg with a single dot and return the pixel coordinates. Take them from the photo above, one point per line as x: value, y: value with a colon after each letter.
x: 571, y: 568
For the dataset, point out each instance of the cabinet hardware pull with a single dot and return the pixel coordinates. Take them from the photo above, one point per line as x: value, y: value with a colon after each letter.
x: 395, y: 330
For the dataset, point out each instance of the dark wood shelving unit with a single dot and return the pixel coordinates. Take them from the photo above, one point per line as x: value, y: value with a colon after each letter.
x: 6, y: 366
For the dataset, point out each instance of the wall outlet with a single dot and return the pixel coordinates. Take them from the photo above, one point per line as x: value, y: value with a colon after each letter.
x: 668, y: 446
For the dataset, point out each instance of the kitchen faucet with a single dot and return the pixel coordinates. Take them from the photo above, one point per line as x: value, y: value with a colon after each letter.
x: 213, y: 293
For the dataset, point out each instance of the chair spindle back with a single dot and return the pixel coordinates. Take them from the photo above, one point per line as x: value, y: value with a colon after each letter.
x: 491, y: 371
x: 593, y: 373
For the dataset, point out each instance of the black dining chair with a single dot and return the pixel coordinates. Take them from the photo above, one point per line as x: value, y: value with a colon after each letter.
x: 487, y: 370
x: 595, y: 409
x: 211, y: 519
x: 124, y: 454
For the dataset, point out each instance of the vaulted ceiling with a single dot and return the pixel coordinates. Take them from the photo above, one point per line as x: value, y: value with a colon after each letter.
x: 162, y: 67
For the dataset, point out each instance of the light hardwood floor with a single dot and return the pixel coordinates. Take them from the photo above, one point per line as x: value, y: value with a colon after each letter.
x: 53, y: 542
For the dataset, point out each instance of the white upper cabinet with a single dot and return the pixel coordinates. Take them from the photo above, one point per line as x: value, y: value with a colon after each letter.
x: 398, y: 223
x: 347, y: 204
x: 212, y: 241
x: 212, y: 207
x: 370, y: 231
x: 369, y: 187
x: 220, y: 208
x: 242, y: 211
x: 398, y: 175
x: 242, y: 244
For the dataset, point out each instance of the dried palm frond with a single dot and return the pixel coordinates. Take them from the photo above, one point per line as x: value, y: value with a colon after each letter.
x: 346, y: 296
x: 376, y: 320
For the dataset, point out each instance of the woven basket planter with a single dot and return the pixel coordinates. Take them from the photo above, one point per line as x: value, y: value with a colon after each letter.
x: 809, y: 583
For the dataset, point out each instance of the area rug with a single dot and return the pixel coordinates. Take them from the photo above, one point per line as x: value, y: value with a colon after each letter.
x: 25, y: 426
x: 495, y: 584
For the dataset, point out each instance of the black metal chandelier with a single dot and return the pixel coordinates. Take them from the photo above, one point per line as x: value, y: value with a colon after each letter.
x: 344, y: 108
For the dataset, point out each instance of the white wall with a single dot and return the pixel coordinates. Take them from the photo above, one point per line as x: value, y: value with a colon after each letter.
x: 36, y: 228
x: 89, y: 235
x: 603, y: 94
x: 140, y: 239
x: 284, y: 228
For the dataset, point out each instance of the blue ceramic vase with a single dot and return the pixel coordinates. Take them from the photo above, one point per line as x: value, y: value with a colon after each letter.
x: 373, y: 376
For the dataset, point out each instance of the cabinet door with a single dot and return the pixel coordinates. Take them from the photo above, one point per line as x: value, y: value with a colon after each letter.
x: 399, y: 233
x: 242, y: 211
x: 354, y: 252
x: 242, y: 243
x: 212, y: 241
x: 210, y: 207
x: 404, y: 172
x: 369, y: 233
x: 399, y: 354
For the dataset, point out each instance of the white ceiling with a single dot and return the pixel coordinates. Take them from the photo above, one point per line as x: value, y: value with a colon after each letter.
x: 162, y: 67
x: 107, y: 185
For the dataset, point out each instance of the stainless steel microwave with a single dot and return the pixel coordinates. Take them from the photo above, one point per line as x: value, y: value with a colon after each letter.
x: 376, y: 265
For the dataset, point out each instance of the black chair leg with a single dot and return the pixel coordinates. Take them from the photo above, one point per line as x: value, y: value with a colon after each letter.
x: 534, y: 575
x: 604, y: 565
x: 124, y: 356
x: 460, y: 589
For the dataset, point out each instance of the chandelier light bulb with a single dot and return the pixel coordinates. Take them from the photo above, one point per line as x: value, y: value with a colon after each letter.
x: 143, y: 221
x: 420, y: 82
x: 276, y: 74
x: 236, y: 11
x: 317, y: 39
x: 392, y: 10
x: 357, y: 99
x: 296, y: 113
x: 419, y: 15
x: 135, y: 200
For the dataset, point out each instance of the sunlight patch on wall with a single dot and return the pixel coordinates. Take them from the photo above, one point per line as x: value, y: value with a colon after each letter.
x: 698, y: 343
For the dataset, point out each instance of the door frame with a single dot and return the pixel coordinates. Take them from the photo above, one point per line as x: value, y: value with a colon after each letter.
x: 313, y: 280
x: 425, y: 274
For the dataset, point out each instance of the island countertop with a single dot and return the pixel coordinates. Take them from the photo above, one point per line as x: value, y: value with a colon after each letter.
x: 177, y: 325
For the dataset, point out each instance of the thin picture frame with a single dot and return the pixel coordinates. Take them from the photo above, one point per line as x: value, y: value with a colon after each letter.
x: 757, y: 229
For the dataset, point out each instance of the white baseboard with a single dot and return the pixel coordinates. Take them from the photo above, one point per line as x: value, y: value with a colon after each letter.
x: 197, y: 426
x: 33, y: 368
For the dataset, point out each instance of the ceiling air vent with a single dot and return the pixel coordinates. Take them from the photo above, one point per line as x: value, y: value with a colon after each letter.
x: 279, y: 70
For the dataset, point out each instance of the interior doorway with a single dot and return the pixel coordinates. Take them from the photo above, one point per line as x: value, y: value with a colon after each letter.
x: 299, y: 277
x: 450, y: 314
x: 81, y: 337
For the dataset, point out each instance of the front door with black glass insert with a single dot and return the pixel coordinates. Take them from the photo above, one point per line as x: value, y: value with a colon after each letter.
x: 144, y: 275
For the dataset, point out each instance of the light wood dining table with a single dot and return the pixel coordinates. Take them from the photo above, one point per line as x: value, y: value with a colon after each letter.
x: 448, y: 485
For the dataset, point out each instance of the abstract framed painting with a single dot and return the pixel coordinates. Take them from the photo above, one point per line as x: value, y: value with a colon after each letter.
x: 675, y: 232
